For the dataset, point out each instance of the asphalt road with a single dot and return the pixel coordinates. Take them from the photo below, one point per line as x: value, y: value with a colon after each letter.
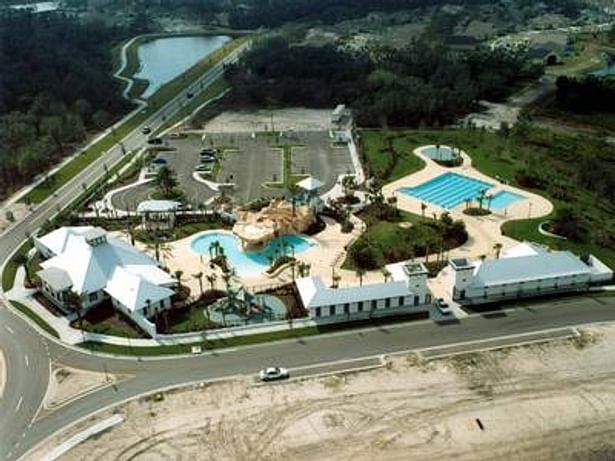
x: 152, y: 374
x: 27, y: 360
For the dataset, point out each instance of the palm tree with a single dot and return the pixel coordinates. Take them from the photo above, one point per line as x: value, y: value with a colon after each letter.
x: 349, y: 184
x: 178, y: 275
x: 481, y: 198
x: 211, y: 279
x: 489, y: 199
x: 73, y: 301
x: 386, y: 274
x: 498, y: 249
x: 165, y: 181
x: 199, y: 276
x: 360, y: 273
x: 21, y: 259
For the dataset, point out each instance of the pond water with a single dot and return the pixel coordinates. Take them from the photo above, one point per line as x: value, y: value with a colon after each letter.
x: 606, y: 72
x: 163, y: 59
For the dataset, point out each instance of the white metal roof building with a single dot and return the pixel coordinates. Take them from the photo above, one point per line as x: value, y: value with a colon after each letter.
x: 524, y: 270
x: 409, y: 288
x: 89, y: 262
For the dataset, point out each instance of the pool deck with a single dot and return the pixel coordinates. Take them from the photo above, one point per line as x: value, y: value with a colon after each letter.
x: 484, y: 231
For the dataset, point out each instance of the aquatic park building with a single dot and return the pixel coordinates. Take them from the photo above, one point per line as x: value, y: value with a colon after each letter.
x: 98, y: 267
x: 407, y: 290
x: 525, y: 270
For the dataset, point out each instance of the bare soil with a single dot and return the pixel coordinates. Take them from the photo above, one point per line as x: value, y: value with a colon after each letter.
x: 553, y: 401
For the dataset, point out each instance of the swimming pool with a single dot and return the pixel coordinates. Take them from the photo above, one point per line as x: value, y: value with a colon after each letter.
x: 504, y: 199
x: 447, y: 190
x: 250, y: 263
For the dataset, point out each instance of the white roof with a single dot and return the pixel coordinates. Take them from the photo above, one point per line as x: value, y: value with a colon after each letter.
x: 56, y: 240
x: 134, y: 291
x: 523, y: 249
x: 310, y: 183
x: 157, y: 206
x: 92, y: 268
x: 314, y: 293
x: 519, y: 268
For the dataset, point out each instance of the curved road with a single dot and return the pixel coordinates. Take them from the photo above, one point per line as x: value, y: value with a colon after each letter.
x: 27, y: 360
x: 29, y: 353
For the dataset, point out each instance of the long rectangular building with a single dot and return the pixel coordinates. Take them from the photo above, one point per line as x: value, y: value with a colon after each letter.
x: 525, y: 270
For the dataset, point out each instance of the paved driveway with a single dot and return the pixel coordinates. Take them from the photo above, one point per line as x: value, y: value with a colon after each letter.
x: 320, y: 158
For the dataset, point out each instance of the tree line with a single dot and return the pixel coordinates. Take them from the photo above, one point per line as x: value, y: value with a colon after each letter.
x: 588, y: 94
x: 421, y: 84
x: 55, y: 85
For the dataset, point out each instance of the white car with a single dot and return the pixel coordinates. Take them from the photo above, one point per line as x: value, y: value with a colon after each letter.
x: 273, y: 374
x: 443, y: 307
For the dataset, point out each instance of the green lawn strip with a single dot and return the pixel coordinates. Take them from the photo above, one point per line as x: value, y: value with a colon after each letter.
x: 297, y: 333
x: 10, y: 270
x: 211, y: 92
x: 38, y: 320
x: 41, y: 192
x: 389, y: 154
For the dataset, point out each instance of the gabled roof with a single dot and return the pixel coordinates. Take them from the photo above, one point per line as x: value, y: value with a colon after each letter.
x: 91, y: 268
x: 527, y: 268
x: 157, y: 206
x: 57, y: 240
x: 133, y: 291
x: 314, y: 293
x: 56, y: 278
x: 310, y: 184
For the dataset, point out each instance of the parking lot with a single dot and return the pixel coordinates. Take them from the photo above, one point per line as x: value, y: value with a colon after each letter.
x: 182, y: 159
x: 250, y: 161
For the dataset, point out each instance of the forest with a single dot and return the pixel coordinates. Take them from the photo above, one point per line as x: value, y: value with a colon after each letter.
x: 589, y: 94
x: 421, y: 85
x: 55, y: 85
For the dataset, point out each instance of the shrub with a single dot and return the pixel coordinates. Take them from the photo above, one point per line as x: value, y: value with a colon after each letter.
x: 473, y: 211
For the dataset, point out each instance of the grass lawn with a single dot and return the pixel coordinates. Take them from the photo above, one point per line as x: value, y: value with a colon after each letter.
x: 104, y: 319
x: 186, y: 320
x: 388, y: 154
x: 391, y: 239
x: 10, y: 270
x: 556, y: 158
x: 297, y: 334
x: 38, y: 320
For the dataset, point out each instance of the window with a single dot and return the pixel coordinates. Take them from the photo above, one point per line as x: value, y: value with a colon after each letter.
x: 387, y: 302
x: 317, y: 312
x: 331, y: 310
x: 346, y: 308
x: 374, y: 304
x: 360, y: 306
x: 417, y: 300
x: 93, y: 296
x: 401, y: 301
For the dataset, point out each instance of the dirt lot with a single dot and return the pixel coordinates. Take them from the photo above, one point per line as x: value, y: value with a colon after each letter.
x: 551, y: 401
x: 297, y: 119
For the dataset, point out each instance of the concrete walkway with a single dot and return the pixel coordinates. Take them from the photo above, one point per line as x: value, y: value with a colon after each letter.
x: 2, y: 373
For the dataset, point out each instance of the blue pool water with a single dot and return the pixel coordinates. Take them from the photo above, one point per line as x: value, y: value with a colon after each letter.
x: 504, y: 199
x: 250, y: 263
x: 447, y: 190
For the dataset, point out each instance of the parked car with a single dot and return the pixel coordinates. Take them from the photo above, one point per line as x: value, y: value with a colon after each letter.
x: 204, y: 168
x: 273, y: 374
x: 208, y: 151
x: 207, y: 159
x: 155, y: 141
x: 146, y: 130
x: 443, y: 307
